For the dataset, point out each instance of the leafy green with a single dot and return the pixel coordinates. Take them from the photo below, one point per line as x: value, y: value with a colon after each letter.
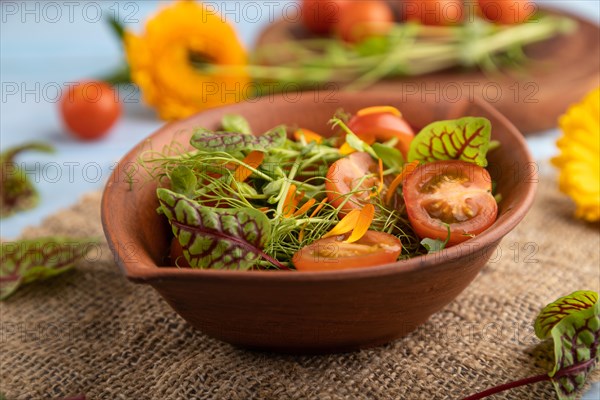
x: 353, y: 141
x: 435, y: 245
x: 183, y: 180
x: 217, y: 238
x: 236, y: 123
x: 576, y: 344
x: 17, y: 193
x: 390, y: 156
x: 206, y: 140
x: 25, y: 261
x: 466, y: 139
x: 556, y: 311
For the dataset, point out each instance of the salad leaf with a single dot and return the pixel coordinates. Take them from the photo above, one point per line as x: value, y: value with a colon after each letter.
x: 183, y: 180
x: 217, y: 238
x: 556, y: 311
x: 236, y: 123
x: 435, y: 245
x: 25, y: 261
x: 17, y: 193
x: 466, y: 139
x: 229, y: 141
x: 390, y: 156
x: 576, y: 349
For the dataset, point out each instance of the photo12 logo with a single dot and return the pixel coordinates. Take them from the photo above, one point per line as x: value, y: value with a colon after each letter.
x: 53, y: 12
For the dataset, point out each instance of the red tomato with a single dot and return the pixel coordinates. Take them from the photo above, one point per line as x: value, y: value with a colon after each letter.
x: 89, y: 109
x: 507, y: 11
x: 433, y: 12
x: 374, y: 248
x: 454, y: 192
x: 363, y: 19
x: 383, y: 126
x: 320, y: 16
x: 176, y: 255
x: 345, y: 176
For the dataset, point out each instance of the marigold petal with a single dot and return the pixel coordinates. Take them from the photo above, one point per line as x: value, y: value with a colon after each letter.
x: 406, y: 171
x: 379, y: 110
x: 253, y: 159
x: 308, y: 135
x: 365, y: 219
x: 347, y: 224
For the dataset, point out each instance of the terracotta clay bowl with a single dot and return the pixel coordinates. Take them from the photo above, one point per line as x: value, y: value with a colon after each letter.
x: 310, y: 312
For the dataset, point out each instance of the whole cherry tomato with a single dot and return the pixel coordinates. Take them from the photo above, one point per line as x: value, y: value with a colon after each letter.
x: 320, y: 16
x: 507, y: 11
x: 363, y: 19
x: 374, y: 248
x: 433, y: 12
x: 451, y: 193
x: 89, y: 109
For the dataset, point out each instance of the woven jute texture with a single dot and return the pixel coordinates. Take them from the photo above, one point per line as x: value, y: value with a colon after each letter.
x: 91, y: 331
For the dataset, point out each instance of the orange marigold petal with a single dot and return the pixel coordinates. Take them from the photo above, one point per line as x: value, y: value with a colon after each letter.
x: 309, y: 136
x: 305, y: 207
x: 253, y: 159
x: 379, y: 110
x: 365, y: 219
x: 406, y: 171
x: 347, y: 224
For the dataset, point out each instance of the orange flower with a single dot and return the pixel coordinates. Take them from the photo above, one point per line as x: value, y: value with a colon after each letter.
x: 162, y: 60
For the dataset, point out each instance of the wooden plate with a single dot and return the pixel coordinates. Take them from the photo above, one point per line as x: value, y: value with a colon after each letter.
x: 560, y: 72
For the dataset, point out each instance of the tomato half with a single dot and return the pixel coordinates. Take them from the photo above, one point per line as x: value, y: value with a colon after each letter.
x: 433, y: 12
x: 383, y: 126
x: 346, y: 176
x: 374, y: 248
x: 363, y: 19
x: 507, y: 11
x: 454, y: 192
x: 89, y: 109
x: 320, y: 16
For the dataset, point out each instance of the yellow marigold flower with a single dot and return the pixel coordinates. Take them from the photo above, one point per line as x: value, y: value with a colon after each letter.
x: 579, y: 159
x: 161, y: 60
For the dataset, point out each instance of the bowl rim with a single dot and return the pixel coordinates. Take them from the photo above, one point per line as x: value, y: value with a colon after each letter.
x: 136, y: 272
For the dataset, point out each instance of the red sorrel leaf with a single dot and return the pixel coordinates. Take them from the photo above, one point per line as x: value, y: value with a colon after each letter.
x: 25, y: 261
x: 466, y: 139
x: 576, y: 342
x: 206, y: 140
x: 17, y: 193
x: 554, y: 312
x: 218, y: 238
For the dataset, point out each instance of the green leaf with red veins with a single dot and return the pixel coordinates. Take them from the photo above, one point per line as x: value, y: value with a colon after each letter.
x: 25, y: 261
x: 17, y: 193
x: 576, y: 344
x: 206, y: 140
x: 217, y: 238
x: 554, y: 312
x: 466, y: 139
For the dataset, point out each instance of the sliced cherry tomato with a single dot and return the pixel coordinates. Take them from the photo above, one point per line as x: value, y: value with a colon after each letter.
x: 374, y: 248
x: 363, y: 19
x: 455, y: 193
x: 347, y: 175
x: 176, y: 255
x: 507, y: 11
x: 433, y: 12
x: 382, y: 126
x: 320, y: 16
x: 89, y: 109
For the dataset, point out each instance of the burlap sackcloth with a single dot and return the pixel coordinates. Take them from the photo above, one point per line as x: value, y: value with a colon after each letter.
x: 91, y: 331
